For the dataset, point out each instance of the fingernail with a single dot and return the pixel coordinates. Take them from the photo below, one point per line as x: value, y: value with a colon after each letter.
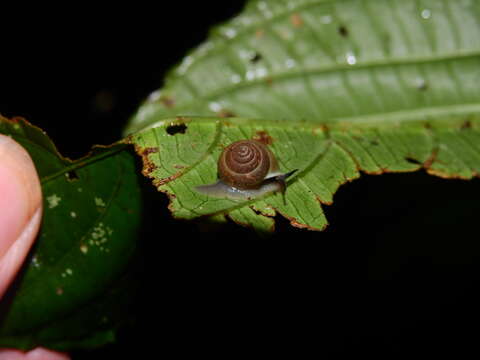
x: 20, y: 192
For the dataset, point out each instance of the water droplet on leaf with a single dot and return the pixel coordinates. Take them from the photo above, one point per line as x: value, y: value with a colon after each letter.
x: 351, y: 58
x: 426, y: 14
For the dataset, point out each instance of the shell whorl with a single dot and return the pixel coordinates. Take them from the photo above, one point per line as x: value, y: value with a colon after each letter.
x: 245, y: 164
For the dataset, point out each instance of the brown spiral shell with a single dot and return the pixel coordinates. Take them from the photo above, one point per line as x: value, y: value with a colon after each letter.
x: 244, y: 164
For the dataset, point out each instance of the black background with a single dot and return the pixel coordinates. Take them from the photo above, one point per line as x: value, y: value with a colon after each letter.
x: 394, y: 273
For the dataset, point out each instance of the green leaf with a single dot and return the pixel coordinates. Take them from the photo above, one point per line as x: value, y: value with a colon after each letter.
x: 329, y: 60
x: 326, y: 156
x: 340, y: 86
x: 76, y: 287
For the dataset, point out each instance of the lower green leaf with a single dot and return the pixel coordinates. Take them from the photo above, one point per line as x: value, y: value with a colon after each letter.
x: 75, y: 287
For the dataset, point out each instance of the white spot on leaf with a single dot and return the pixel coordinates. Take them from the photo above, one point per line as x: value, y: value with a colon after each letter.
x: 99, y: 202
x: 420, y: 83
x: 67, y: 272
x: 245, y: 20
x: 230, y: 33
x: 235, y: 78
x: 250, y: 75
x: 84, y: 248
x: 215, y: 106
x: 426, y: 14
x: 351, y: 58
x: 326, y: 19
x: 53, y: 201
x: 155, y: 96
x: 100, y: 236
x: 263, y: 7
x: 187, y: 61
x: 290, y: 63
x: 261, y: 72
x: 35, y: 263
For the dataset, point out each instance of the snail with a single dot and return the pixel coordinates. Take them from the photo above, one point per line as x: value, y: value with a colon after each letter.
x: 247, y: 169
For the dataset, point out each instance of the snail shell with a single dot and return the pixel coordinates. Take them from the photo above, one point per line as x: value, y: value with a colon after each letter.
x: 246, y: 169
x: 245, y: 164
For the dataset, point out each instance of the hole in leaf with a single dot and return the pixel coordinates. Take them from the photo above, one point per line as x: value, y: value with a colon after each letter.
x: 256, y: 58
x: 413, y: 161
x: 466, y: 125
x: 343, y: 31
x: 176, y: 129
x: 71, y: 175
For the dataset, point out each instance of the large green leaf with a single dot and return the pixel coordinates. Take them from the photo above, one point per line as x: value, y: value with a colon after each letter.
x: 329, y: 60
x: 346, y: 86
x: 75, y: 289
x: 326, y: 156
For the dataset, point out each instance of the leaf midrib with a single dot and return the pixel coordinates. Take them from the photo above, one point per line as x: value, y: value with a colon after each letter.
x: 324, y: 70
x: 77, y: 164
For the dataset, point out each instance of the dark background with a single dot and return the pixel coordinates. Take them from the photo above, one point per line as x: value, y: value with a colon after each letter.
x: 394, y: 273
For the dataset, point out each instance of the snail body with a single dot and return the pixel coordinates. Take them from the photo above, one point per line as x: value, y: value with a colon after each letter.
x: 246, y: 169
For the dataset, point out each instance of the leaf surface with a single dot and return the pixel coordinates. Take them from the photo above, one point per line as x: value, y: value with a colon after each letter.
x: 74, y: 289
x: 326, y: 156
x: 329, y: 60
